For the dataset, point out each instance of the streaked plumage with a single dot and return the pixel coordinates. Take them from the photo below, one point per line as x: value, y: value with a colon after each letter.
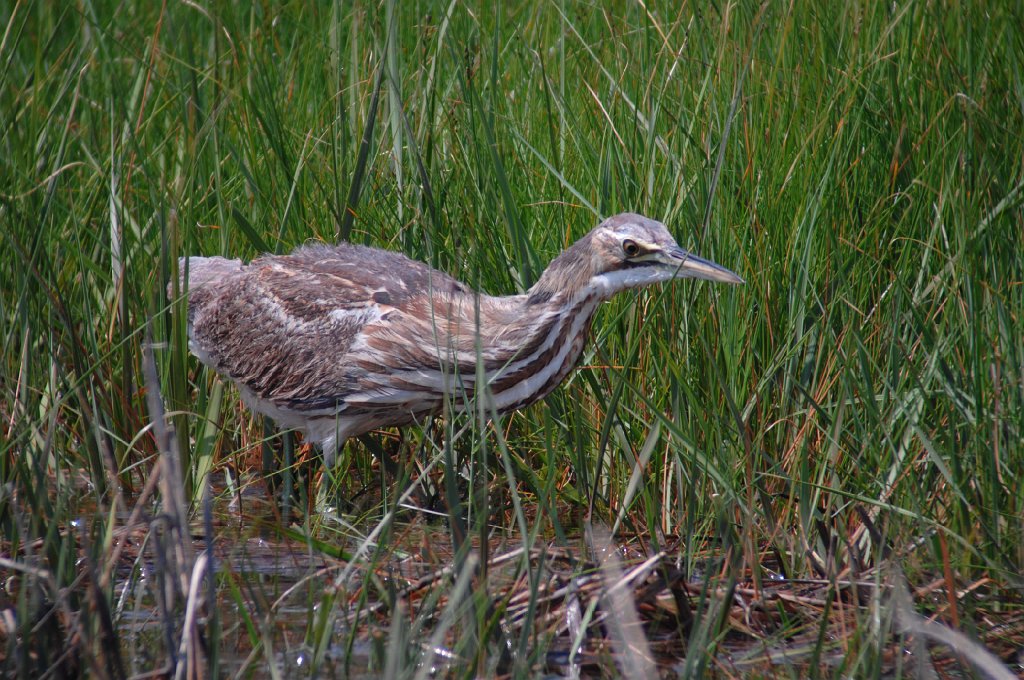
x: 338, y: 340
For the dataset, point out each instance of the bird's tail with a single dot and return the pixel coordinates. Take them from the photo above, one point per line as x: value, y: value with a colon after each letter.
x: 202, y: 273
x: 203, y: 270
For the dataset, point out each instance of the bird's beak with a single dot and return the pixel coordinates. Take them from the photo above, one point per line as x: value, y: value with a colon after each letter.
x: 690, y: 266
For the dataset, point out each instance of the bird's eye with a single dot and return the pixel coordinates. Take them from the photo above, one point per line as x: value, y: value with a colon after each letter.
x: 630, y: 248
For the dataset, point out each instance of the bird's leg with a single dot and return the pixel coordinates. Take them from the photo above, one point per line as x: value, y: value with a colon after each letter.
x: 296, y: 472
x: 283, y: 469
x: 428, y: 493
x: 329, y: 491
x: 289, y: 475
x: 400, y: 471
x: 390, y: 466
x: 275, y: 475
x: 267, y: 450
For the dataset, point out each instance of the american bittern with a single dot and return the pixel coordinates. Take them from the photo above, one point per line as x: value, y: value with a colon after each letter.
x: 338, y: 340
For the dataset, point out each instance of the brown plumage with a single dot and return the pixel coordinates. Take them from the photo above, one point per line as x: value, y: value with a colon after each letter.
x: 338, y: 340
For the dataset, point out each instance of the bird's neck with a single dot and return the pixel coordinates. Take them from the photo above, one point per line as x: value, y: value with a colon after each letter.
x: 567, y: 277
x: 539, y: 340
x: 534, y: 340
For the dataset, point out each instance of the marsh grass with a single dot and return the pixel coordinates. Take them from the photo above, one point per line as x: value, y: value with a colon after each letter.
x: 793, y: 451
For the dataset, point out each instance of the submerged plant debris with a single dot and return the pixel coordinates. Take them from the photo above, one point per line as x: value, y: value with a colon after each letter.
x: 550, y: 608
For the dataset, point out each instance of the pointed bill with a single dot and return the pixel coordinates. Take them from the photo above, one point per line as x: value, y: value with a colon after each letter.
x: 690, y: 266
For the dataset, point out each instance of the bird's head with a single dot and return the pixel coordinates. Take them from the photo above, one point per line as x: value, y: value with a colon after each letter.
x: 627, y: 251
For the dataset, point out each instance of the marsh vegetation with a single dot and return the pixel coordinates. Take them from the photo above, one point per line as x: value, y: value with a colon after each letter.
x: 816, y: 473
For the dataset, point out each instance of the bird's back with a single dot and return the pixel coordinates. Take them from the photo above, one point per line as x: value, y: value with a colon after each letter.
x: 291, y: 330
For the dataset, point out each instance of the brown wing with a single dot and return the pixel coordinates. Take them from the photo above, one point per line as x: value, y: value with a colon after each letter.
x: 282, y: 326
x: 348, y: 272
x: 349, y: 326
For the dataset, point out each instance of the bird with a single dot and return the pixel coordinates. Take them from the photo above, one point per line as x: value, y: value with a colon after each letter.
x: 339, y: 340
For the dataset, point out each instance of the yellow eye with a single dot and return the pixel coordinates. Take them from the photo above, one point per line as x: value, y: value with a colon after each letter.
x: 630, y: 248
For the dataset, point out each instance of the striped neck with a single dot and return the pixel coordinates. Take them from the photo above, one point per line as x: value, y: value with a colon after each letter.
x: 548, y: 355
x: 568, y: 275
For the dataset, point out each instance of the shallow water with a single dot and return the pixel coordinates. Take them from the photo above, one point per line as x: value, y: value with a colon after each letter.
x: 287, y: 601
